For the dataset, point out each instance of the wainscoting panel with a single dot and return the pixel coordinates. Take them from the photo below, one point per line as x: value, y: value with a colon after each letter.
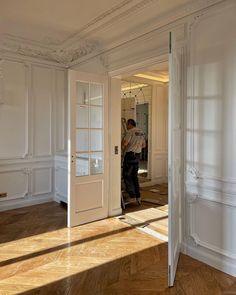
x: 14, y: 183
x: 42, y: 181
x: 211, y: 226
x: 60, y: 110
x: 13, y: 110
x: 42, y: 110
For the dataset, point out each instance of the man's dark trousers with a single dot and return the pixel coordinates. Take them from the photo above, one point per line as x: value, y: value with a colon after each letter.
x: 130, y: 174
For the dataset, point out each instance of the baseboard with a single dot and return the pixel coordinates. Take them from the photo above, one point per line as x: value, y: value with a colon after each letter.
x: 20, y: 203
x: 215, y: 260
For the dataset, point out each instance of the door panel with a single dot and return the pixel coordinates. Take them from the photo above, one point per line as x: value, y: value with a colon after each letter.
x: 88, y: 148
x: 174, y: 160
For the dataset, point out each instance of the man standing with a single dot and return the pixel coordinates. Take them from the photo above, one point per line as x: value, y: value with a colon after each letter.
x: 133, y: 143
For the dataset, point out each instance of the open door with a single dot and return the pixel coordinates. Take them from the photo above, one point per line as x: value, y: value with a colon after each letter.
x: 87, y: 148
x: 174, y: 160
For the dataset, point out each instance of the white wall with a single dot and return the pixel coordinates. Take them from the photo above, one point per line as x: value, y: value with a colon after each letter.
x: 208, y: 37
x: 32, y: 130
x: 159, y: 138
x: 211, y: 139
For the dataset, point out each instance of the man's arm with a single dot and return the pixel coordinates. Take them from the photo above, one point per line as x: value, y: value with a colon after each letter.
x: 124, y: 143
x: 125, y: 140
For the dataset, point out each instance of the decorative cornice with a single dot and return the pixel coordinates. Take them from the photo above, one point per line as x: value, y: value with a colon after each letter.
x: 49, y: 53
x: 77, y: 47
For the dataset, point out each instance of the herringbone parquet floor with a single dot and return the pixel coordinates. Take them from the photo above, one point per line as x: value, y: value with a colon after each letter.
x: 39, y: 255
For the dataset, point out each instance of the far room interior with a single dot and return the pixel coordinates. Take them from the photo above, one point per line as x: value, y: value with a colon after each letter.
x: 144, y: 98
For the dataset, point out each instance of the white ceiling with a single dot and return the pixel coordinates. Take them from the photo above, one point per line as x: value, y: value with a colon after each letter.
x: 38, y: 20
x: 65, y: 31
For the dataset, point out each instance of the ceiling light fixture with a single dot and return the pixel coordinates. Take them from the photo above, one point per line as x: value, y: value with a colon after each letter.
x: 154, y: 78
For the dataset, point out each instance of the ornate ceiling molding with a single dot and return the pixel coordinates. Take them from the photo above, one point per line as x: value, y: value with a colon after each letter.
x: 126, y: 8
x: 75, y: 47
x: 82, y: 45
x: 49, y: 53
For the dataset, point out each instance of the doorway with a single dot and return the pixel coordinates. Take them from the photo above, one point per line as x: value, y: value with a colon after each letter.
x: 144, y: 98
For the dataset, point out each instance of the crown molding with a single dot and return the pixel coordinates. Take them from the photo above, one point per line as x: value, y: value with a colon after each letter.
x: 124, y: 9
x: 51, y: 53
x: 84, y: 44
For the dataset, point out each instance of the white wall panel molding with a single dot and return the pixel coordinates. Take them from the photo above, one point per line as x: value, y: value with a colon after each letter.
x: 5, y: 55
x: 2, y: 92
x: 42, y: 181
x: 15, y: 183
x: 60, y: 110
x: 212, y: 258
x: 28, y: 162
x: 215, y: 233
x: 14, y: 110
x: 195, y: 192
x: 42, y: 91
x: 194, y: 93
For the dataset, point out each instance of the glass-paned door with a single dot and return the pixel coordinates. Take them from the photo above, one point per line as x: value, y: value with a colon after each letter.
x: 88, y: 141
x: 89, y: 128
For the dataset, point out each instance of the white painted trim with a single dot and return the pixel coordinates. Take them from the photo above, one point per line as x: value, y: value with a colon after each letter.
x: 10, y: 205
x: 25, y: 172
x: 197, y: 240
x: 211, y: 194
x: 140, y: 66
x: 33, y: 60
x: 50, y: 169
x: 213, y: 259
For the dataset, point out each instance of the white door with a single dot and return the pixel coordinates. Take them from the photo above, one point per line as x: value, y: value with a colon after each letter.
x: 174, y: 160
x: 87, y: 148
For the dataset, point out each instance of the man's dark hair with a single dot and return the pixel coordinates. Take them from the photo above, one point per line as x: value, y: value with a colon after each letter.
x: 131, y: 122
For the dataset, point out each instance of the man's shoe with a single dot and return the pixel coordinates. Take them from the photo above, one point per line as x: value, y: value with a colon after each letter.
x: 138, y: 200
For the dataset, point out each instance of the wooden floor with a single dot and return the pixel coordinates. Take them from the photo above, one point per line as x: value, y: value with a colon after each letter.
x: 39, y: 255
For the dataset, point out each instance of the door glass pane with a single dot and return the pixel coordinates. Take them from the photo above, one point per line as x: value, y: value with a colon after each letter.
x: 82, y: 91
x: 82, y: 120
x: 96, y: 163
x: 96, y: 118
x: 96, y: 94
x: 82, y: 140
x: 82, y: 164
x: 96, y: 140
